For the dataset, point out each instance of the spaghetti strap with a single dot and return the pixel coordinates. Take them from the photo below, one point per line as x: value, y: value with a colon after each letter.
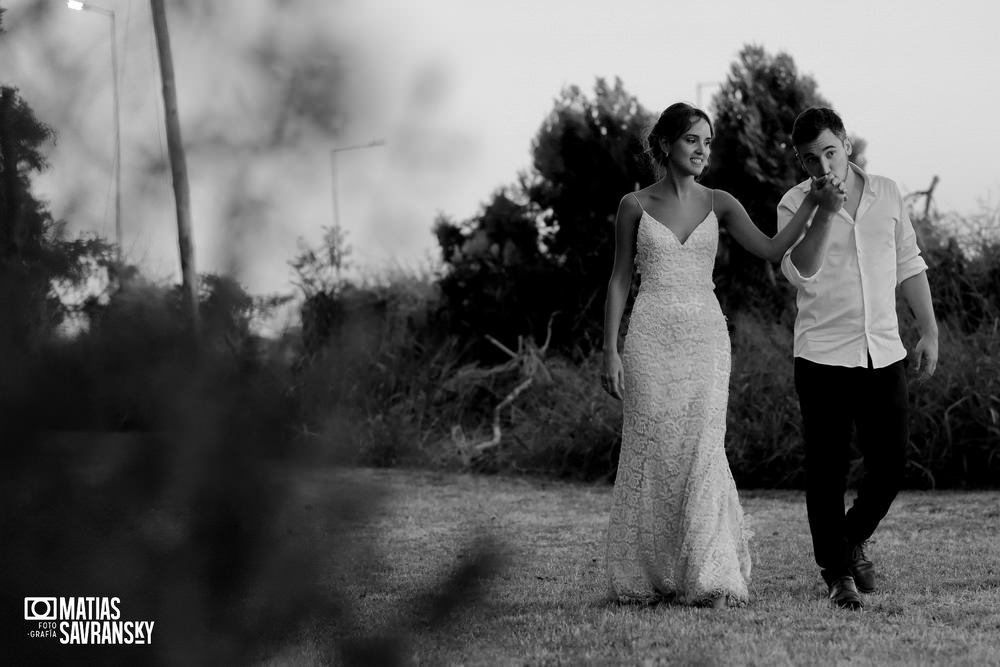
x: 637, y: 201
x: 713, y: 201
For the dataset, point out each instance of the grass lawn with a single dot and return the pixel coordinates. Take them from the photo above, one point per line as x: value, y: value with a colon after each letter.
x: 937, y: 557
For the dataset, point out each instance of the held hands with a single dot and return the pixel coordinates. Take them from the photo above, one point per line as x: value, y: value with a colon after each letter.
x: 828, y: 192
x: 613, y: 375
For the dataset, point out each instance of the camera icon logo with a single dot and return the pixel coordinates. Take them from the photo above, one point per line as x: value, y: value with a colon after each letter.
x: 40, y: 609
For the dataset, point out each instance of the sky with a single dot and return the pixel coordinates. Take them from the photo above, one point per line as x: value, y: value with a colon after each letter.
x: 456, y: 90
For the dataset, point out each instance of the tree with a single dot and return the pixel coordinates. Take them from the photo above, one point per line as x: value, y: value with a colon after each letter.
x: 752, y: 154
x: 21, y: 137
x: 545, y: 244
x: 499, y: 281
x: 754, y: 160
x: 34, y: 253
x: 587, y: 155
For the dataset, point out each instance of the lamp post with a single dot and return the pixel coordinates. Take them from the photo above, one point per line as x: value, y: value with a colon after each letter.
x: 703, y: 84
x: 333, y: 177
x: 333, y: 171
x: 86, y: 6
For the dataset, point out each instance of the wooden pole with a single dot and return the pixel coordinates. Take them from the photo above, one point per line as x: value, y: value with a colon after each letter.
x: 118, y: 140
x: 178, y: 164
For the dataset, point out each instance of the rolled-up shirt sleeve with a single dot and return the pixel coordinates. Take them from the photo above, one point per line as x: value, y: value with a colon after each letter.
x: 908, y: 259
x: 786, y: 210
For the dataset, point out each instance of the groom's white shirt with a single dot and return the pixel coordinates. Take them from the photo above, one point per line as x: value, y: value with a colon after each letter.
x: 847, y: 309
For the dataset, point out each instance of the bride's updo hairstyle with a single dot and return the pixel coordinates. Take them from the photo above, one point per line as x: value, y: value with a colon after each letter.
x: 675, y: 120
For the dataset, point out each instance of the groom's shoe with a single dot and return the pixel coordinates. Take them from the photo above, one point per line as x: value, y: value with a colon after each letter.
x: 844, y: 594
x: 862, y: 569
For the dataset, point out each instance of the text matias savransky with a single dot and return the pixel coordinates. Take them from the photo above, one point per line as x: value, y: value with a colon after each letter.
x: 85, y: 620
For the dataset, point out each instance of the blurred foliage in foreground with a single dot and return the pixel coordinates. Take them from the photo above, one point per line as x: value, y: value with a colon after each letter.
x: 137, y: 464
x: 171, y: 472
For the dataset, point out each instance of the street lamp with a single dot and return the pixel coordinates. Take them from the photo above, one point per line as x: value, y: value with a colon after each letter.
x: 86, y: 6
x: 703, y: 84
x: 333, y: 171
x: 333, y: 176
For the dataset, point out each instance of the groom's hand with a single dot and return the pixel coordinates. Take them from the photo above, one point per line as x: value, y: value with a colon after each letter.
x: 926, y: 354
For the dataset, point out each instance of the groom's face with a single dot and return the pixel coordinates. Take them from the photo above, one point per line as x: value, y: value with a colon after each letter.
x: 826, y: 154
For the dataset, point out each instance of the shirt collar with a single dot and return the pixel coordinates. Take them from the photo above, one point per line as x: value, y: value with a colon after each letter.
x: 867, y: 187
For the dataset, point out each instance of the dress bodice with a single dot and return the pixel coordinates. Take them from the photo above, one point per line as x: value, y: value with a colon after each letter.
x: 676, y: 272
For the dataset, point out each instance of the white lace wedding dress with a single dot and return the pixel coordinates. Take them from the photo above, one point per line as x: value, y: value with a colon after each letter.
x: 676, y: 529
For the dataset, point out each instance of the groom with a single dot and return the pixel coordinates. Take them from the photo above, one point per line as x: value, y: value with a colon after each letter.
x: 850, y: 364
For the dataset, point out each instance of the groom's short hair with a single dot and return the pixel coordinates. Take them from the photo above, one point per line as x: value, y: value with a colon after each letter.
x: 810, y: 124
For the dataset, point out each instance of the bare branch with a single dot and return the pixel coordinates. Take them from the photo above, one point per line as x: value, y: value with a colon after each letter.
x: 503, y: 347
x: 548, y: 332
x: 529, y: 359
x: 497, y: 433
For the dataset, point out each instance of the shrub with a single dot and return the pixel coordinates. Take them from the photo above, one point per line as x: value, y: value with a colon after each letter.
x: 763, y: 425
x: 955, y: 416
x: 134, y: 465
x: 562, y: 425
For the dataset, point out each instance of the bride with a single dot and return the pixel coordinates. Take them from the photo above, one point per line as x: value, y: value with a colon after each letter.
x: 676, y: 529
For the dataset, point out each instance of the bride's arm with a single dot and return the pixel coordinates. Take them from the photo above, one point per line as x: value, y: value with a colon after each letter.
x: 626, y: 228
x: 735, y: 217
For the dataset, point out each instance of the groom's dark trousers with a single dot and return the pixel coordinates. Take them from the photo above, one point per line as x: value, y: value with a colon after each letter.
x: 836, y: 401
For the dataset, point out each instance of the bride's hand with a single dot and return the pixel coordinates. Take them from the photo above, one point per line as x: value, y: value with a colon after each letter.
x: 613, y: 375
x: 828, y: 192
